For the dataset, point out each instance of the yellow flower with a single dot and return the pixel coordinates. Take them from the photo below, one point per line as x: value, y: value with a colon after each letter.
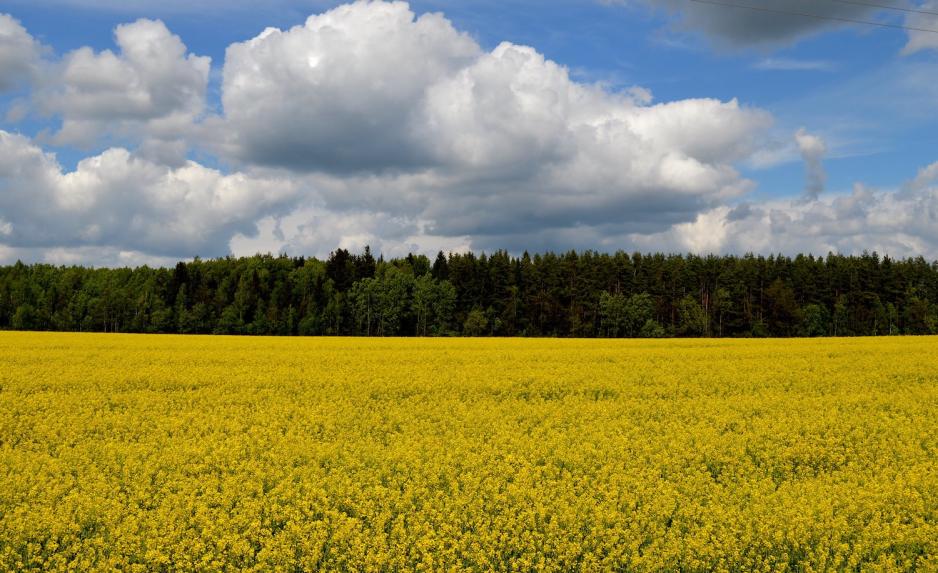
x: 142, y: 453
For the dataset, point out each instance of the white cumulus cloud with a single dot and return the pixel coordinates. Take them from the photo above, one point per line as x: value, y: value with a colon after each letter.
x: 340, y: 92
x: 151, y: 88
x: 900, y: 223
x: 369, y: 124
x: 406, y: 116
x: 19, y: 53
x: 127, y: 203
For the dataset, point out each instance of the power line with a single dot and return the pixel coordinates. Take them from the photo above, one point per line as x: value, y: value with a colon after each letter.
x: 816, y: 16
x: 885, y: 7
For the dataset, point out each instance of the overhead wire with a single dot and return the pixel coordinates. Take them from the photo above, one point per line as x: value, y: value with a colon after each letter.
x: 886, y: 7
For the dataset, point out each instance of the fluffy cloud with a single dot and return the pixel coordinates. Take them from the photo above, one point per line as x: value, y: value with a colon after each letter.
x: 340, y: 92
x: 407, y: 117
x: 370, y: 125
x: 926, y: 177
x: 314, y: 231
x: 899, y: 223
x: 152, y: 87
x: 19, y: 53
x: 129, y: 204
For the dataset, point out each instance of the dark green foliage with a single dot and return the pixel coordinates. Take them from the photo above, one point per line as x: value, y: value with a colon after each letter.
x: 693, y: 317
x: 783, y: 313
x: 476, y: 324
x: 24, y: 318
x: 815, y: 320
x: 628, y: 317
x: 570, y: 294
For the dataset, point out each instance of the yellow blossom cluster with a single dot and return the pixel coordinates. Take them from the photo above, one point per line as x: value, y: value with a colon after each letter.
x: 186, y: 453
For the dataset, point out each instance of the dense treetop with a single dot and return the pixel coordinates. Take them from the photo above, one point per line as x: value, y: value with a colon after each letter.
x: 584, y: 294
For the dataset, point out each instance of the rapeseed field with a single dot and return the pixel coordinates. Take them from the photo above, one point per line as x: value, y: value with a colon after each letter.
x: 185, y: 453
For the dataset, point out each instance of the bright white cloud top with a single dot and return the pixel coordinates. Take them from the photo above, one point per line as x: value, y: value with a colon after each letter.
x: 151, y: 89
x: 369, y: 124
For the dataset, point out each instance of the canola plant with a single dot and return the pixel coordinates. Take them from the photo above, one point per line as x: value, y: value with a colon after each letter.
x: 186, y: 453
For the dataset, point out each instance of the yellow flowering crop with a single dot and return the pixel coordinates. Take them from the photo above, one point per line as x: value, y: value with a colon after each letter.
x: 170, y: 453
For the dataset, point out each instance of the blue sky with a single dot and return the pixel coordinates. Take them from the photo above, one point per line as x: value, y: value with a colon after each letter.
x: 858, y: 89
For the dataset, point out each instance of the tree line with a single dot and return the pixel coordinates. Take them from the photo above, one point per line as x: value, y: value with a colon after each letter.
x: 574, y: 294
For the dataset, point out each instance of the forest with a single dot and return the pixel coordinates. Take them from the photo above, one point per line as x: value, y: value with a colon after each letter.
x: 574, y: 294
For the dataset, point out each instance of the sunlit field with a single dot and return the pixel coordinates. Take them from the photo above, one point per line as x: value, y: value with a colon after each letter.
x: 170, y: 453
